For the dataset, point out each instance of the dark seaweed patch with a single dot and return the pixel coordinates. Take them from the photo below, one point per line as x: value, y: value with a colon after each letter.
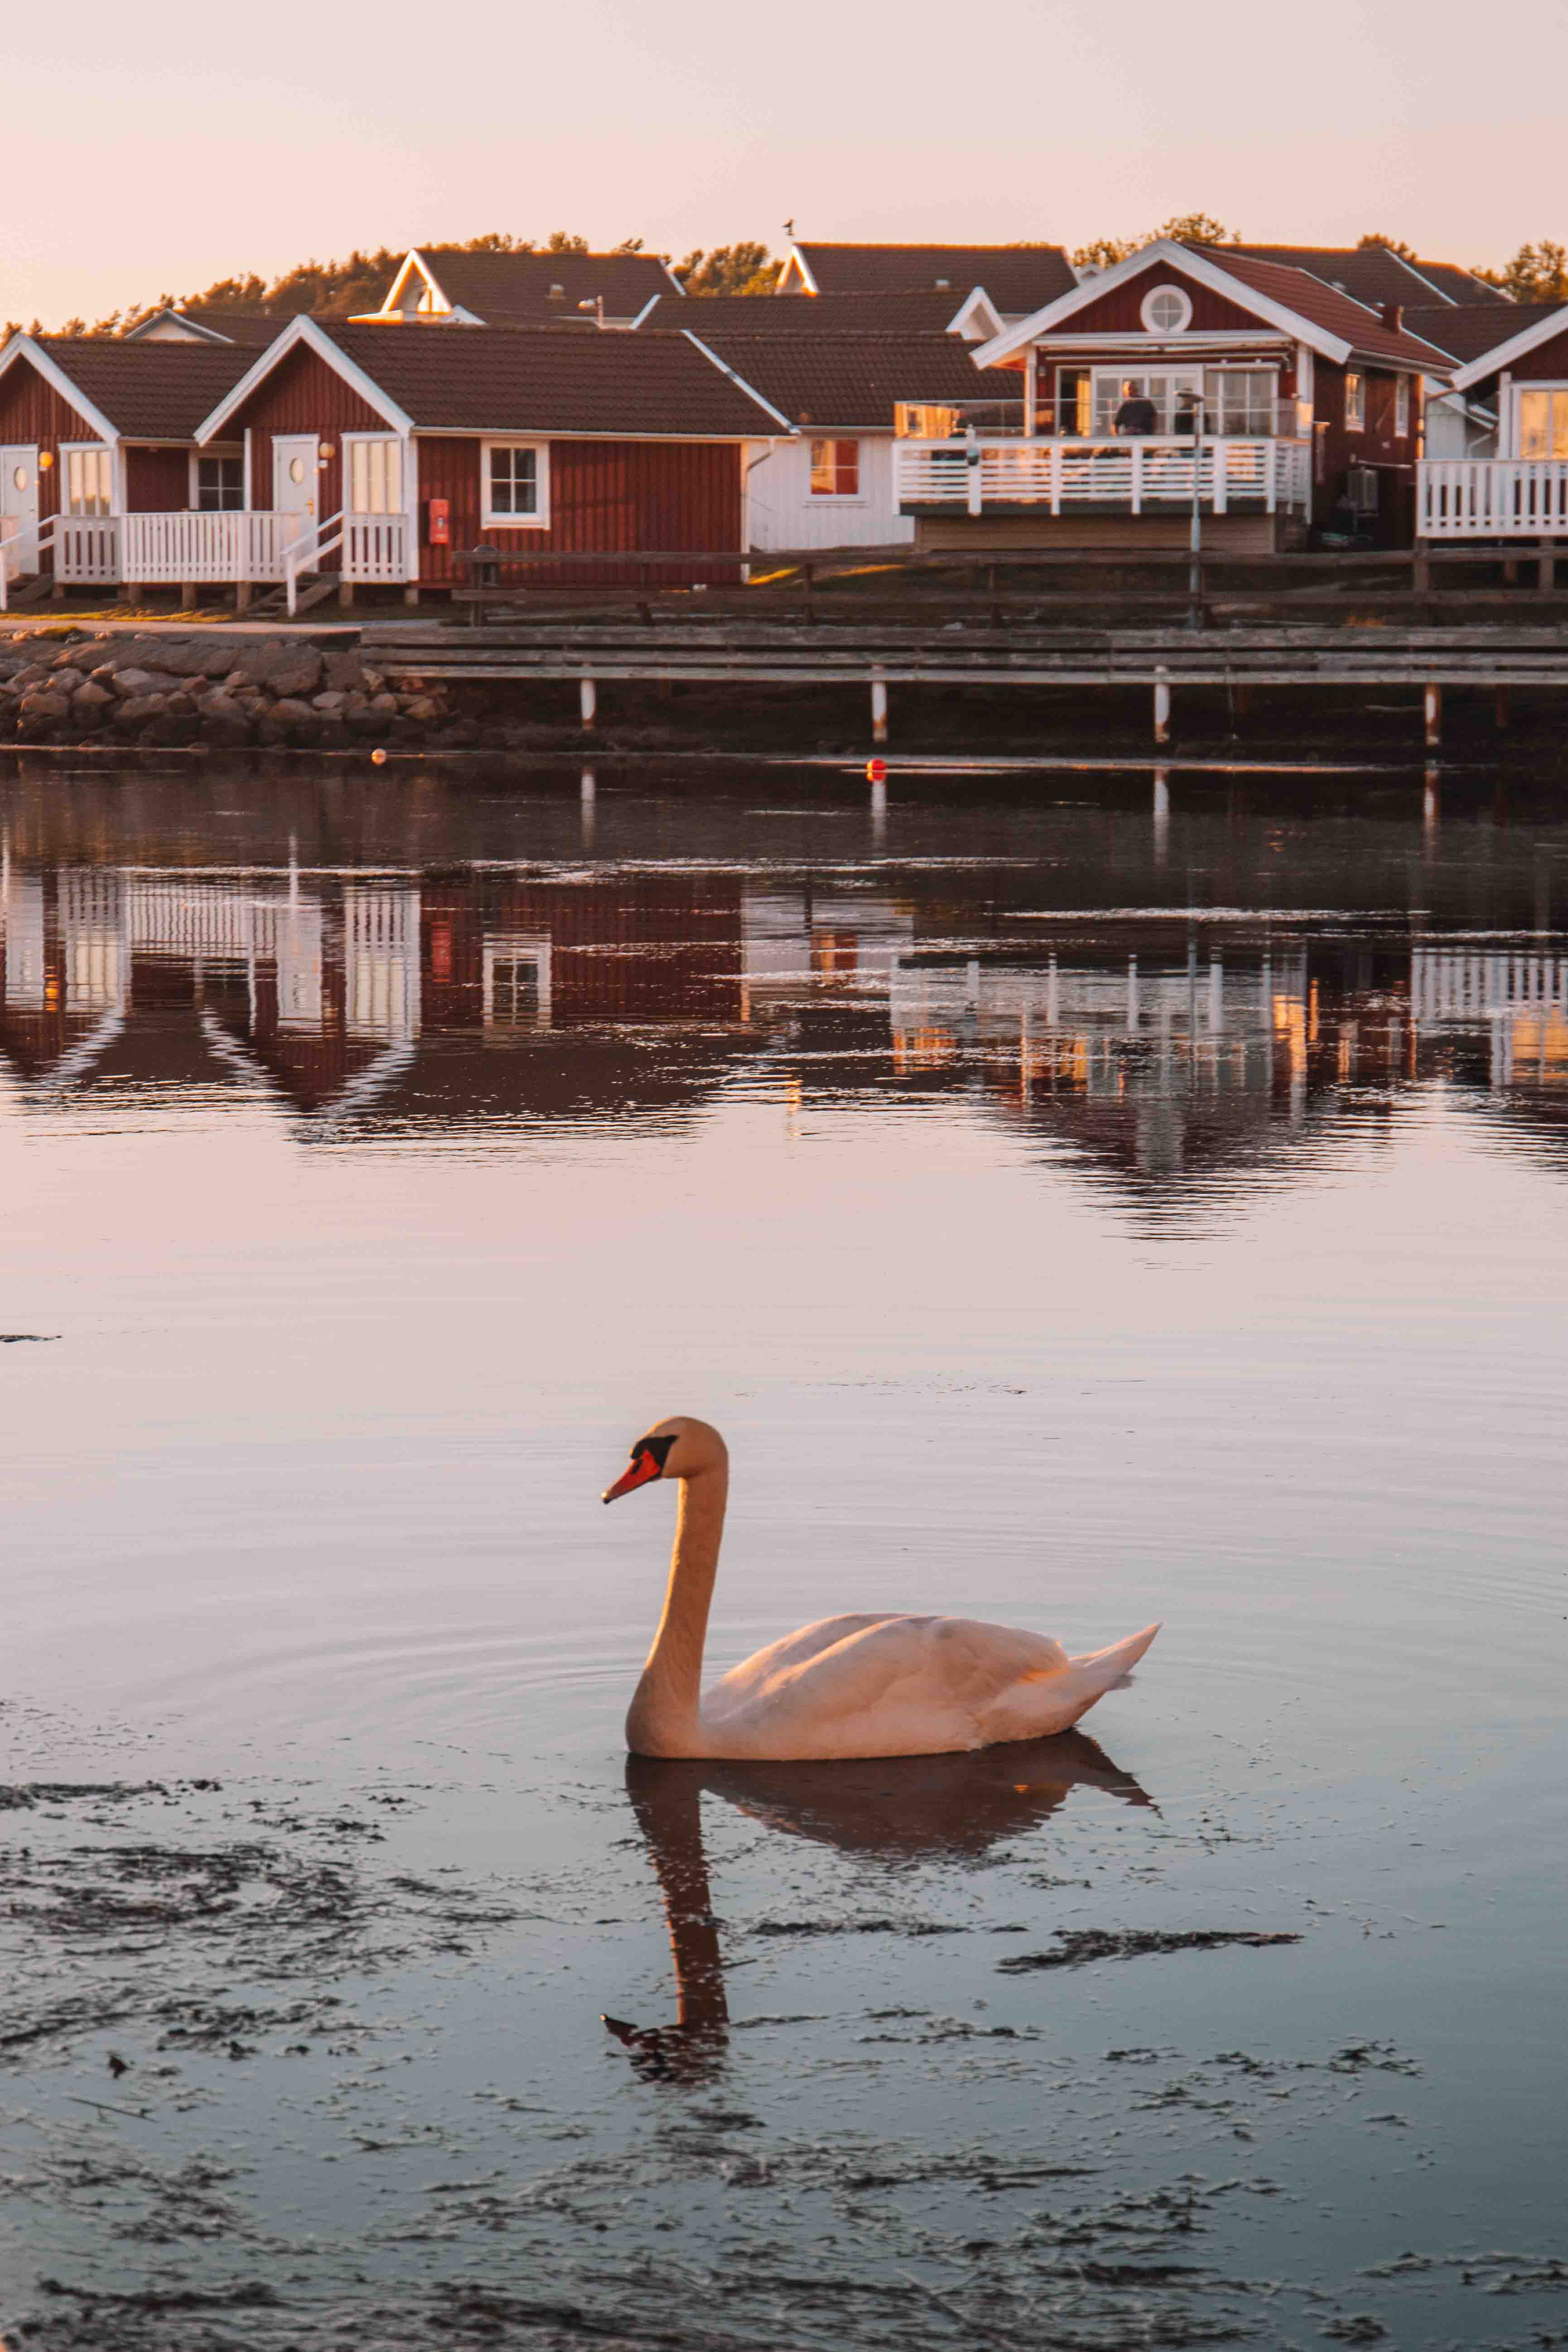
x: 1081, y: 1946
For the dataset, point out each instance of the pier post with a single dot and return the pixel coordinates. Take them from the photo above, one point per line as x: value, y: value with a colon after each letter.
x: 188, y: 595
x: 1432, y: 713
x: 590, y: 796
x: 242, y: 595
x: 588, y: 703
x: 878, y: 708
x: 1162, y: 813
x: 1162, y: 707
x: 1546, y: 570
x: 1500, y: 706
x: 1431, y: 807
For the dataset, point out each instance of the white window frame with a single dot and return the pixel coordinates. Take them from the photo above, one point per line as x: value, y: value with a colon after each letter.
x: 1185, y: 378
x: 369, y: 440
x: 70, y: 449
x: 540, y: 519
x: 232, y: 452
x: 1557, y: 392
x: 1355, y: 409
x: 1155, y: 294
x: 855, y: 498
x: 1401, y: 406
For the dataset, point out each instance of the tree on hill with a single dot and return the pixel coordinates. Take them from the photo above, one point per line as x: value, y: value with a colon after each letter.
x: 1538, y: 273
x: 744, y: 268
x: 1184, y: 229
x: 323, y: 289
x: 1390, y: 244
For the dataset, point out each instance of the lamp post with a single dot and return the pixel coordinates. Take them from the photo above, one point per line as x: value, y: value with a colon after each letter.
x: 1195, y: 529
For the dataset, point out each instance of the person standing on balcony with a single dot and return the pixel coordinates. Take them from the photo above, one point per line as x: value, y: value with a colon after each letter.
x: 1136, y: 413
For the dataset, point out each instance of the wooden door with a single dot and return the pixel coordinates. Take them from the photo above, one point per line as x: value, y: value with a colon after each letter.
x: 19, y: 508
x: 294, y: 483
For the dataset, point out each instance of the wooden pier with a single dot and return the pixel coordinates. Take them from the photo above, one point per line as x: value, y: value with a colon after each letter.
x: 882, y: 658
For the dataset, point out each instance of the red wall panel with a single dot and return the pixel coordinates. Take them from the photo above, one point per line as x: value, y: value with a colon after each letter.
x: 301, y: 394
x: 32, y: 411
x: 157, y: 481
x: 1116, y: 312
x: 604, y: 495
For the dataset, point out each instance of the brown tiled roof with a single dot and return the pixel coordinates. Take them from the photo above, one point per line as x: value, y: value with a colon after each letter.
x: 253, y: 328
x: 1351, y: 321
x: 1374, y: 274
x: 921, y: 313
x: 855, y: 381
x: 1468, y: 333
x: 149, y: 391
x: 1018, y: 277
x: 537, y: 379
x: 512, y: 289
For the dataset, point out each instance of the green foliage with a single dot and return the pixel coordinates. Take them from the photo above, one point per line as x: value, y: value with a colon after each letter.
x: 1538, y: 273
x: 747, y: 267
x: 1390, y: 244
x: 1185, y: 228
x: 1198, y: 228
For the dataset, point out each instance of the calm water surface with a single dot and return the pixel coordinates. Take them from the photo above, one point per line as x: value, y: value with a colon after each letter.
x: 1078, y: 1207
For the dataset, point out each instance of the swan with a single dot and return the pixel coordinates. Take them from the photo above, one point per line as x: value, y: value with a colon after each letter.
x: 880, y: 1685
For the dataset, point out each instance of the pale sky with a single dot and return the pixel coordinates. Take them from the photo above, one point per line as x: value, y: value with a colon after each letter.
x: 158, y: 150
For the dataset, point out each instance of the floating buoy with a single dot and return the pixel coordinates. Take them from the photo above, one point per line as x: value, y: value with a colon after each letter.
x: 876, y: 771
x: 378, y: 757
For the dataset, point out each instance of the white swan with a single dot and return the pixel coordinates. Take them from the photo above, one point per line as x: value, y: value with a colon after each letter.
x: 847, y: 1686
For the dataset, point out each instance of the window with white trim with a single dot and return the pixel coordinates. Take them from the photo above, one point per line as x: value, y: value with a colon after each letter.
x: 1401, y: 405
x: 515, y: 483
x: 220, y: 485
x: 1355, y: 402
x: 1544, y: 421
x: 374, y: 475
x: 90, y: 481
x: 835, y: 469
x: 1166, y: 310
x: 1240, y: 401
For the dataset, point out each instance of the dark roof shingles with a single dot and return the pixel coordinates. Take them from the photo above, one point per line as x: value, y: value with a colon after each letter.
x: 513, y: 289
x: 1469, y: 332
x: 1018, y: 277
x: 150, y: 390
x: 535, y: 380
x: 855, y: 381
x: 1372, y: 273
x: 1340, y: 315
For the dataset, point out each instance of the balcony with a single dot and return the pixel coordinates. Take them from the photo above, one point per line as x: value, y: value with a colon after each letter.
x: 1492, y: 497
x: 984, y: 474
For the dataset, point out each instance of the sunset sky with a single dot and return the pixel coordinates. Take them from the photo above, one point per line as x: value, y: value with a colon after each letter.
x: 155, y: 151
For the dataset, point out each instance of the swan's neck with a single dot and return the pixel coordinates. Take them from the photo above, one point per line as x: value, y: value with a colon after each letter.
x: 663, y: 1719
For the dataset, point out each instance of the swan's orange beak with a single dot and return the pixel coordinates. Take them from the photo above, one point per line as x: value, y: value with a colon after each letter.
x: 643, y: 1467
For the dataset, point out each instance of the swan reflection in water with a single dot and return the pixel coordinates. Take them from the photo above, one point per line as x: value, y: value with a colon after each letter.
x: 888, y: 1810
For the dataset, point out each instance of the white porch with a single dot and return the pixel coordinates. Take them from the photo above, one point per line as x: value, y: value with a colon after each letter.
x: 1492, y: 497
x: 194, y: 550
x: 982, y: 473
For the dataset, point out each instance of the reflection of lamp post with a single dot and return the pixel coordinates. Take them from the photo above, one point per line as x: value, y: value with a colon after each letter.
x: 1196, y: 532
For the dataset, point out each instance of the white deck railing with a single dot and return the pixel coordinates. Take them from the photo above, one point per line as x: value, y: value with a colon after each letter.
x: 1492, y: 497
x: 206, y: 547
x: 1132, y: 475
x: 84, y: 550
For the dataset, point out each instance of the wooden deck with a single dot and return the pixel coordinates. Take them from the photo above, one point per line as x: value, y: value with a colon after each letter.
x: 881, y: 656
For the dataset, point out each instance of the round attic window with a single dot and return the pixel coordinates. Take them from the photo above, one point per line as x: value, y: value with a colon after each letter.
x: 296, y: 470
x: 20, y: 478
x: 1167, y: 311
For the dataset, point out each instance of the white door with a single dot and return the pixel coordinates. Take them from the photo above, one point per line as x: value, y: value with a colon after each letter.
x: 294, y: 483
x: 18, y: 509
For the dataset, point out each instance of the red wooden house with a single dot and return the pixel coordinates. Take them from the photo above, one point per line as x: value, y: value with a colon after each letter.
x: 98, y: 443
x: 1496, y: 464
x: 381, y: 454
x: 1291, y: 405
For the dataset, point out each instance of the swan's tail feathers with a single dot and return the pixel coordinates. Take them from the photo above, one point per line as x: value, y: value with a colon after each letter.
x: 1102, y: 1670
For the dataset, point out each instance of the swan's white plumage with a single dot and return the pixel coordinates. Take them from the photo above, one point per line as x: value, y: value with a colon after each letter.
x: 865, y: 1685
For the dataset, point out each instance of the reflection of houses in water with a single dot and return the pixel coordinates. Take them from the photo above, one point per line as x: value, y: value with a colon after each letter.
x: 1144, y: 1057
x: 799, y: 940
x: 329, y: 987
x: 1519, y: 998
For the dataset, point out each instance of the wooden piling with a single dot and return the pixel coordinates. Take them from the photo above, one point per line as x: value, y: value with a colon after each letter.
x: 878, y: 708
x: 1161, y: 707
x: 587, y: 703
x: 1432, y: 713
